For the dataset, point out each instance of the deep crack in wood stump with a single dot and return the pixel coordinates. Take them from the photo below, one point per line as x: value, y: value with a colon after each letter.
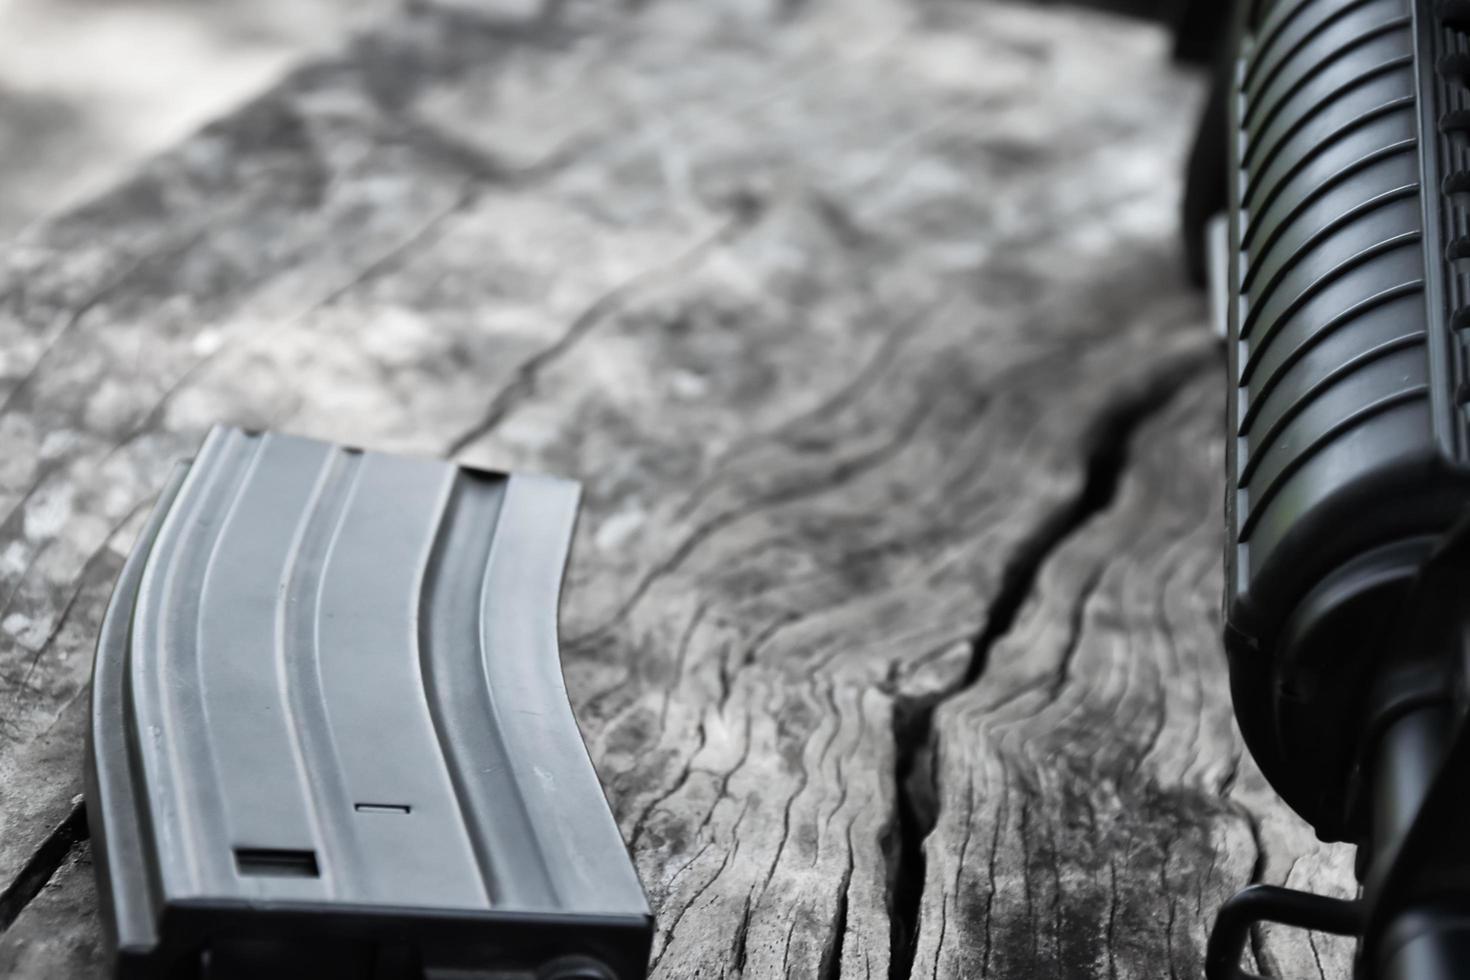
x: 892, y: 620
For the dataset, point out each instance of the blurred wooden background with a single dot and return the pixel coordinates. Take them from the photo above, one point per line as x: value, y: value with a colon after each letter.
x: 892, y: 618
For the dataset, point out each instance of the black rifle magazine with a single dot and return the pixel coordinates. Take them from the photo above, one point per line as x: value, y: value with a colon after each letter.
x: 330, y: 736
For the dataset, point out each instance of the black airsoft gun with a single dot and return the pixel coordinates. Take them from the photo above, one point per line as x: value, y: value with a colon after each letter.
x: 1337, y: 146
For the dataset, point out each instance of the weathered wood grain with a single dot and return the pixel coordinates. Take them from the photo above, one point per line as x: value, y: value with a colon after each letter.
x: 843, y: 312
x: 1093, y: 798
x: 59, y: 934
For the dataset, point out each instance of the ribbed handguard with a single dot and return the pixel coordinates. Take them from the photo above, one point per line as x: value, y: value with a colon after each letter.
x: 1347, y: 461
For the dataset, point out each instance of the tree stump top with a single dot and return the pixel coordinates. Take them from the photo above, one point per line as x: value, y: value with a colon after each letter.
x: 892, y: 616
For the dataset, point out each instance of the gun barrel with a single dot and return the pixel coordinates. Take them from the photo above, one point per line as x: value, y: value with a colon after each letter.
x: 1410, y: 758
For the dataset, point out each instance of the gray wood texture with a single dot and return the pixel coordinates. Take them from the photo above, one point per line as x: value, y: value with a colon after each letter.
x: 892, y: 619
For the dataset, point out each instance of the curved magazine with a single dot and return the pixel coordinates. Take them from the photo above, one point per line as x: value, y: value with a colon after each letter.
x: 330, y: 733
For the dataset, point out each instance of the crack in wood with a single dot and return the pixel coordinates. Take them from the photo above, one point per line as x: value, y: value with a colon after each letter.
x: 1258, y: 876
x: 1106, y: 447
x: 43, y: 864
x: 746, y: 214
x: 831, y: 965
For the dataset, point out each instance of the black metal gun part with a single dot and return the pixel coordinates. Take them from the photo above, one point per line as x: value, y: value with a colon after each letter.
x: 1347, y: 553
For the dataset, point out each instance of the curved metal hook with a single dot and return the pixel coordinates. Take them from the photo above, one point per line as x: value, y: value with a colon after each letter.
x: 1269, y: 903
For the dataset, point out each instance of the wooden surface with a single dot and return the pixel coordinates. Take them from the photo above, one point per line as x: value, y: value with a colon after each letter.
x: 892, y: 621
